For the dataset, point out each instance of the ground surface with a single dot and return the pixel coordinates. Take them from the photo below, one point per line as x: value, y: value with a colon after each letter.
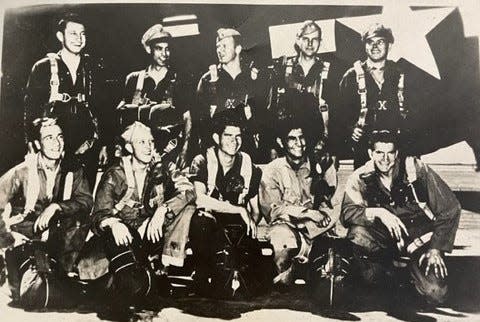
x: 463, y: 303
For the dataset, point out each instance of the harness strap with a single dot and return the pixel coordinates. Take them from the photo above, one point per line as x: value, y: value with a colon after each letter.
x: 54, y: 79
x: 362, y: 91
x: 411, y: 178
x: 323, y: 77
x: 401, y: 99
x: 127, y: 197
x: 212, y: 170
x: 137, y: 95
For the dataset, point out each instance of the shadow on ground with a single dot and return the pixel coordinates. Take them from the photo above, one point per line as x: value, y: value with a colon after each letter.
x: 402, y: 304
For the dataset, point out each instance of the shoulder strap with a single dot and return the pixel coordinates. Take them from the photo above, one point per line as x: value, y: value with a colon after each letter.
x: 33, y: 182
x: 362, y: 91
x: 67, y: 188
x: 401, y: 99
x: 411, y: 171
x: 127, y: 197
x: 137, y: 95
x: 54, y: 79
x: 246, y: 173
x: 323, y: 77
x: 212, y: 169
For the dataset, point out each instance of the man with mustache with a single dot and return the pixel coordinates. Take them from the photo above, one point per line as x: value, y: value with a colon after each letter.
x: 295, y: 197
x: 372, y: 94
x: 234, y: 84
x: 46, y: 194
x: 163, y: 95
x: 65, y: 85
x: 396, y: 208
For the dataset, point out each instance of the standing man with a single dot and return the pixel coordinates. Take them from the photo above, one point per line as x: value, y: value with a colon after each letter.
x: 295, y: 197
x: 65, y: 85
x: 233, y: 85
x: 162, y: 98
x: 302, y: 86
x: 371, y: 94
x: 46, y: 193
x: 226, y: 182
x: 395, y: 207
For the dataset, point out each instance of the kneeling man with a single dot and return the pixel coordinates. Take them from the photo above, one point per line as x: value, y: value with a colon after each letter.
x: 400, y: 208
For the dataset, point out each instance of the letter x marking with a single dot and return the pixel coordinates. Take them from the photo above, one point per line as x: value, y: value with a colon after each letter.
x: 382, y: 105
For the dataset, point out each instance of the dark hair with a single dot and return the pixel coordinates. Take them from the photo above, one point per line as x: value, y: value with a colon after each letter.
x: 287, y: 124
x: 226, y: 118
x: 36, y: 126
x: 384, y: 136
x: 69, y: 17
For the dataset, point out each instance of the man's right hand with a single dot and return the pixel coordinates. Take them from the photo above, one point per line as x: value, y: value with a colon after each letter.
x: 121, y: 234
x: 357, y: 134
x: 392, y: 222
x: 320, y: 218
x: 251, y: 226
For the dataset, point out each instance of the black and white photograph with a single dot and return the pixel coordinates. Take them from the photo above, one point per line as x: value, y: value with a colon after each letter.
x: 239, y: 160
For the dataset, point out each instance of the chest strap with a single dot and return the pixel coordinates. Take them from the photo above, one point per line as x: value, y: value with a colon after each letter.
x: 55, y: 96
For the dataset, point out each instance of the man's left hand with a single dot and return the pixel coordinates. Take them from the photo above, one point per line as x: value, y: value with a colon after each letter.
x: 42, y: 221
x: 434, y: 258
x: 103, y: 156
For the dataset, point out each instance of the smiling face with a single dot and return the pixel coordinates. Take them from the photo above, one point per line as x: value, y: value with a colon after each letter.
x: 377, y: 48
x: 227, y: 50
x: 230, y: 141
x: 384, y: 156
x: 51, y: 142
x: 142, y: 145
x: 295, y: 144
x: 73, y: 38
x: 309, y: 44
x: 160, y: 53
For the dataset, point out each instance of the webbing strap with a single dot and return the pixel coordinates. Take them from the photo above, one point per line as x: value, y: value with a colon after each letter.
x: 212, y: 170
x: 127, y: 197
x: 362, y: 91
x: 54, y: 79
x: 137, y: 95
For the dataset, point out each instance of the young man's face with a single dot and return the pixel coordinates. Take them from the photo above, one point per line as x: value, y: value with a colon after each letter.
x: 226, y: 50
x: 143, y: 145
x: 383, y: 156
x: 160, y: 53
x: 295, y: 144
x: 230, y: 140
x: 73, y: 38
x: 377, y: 48
x: 51, y: 142
x: 309, y: 44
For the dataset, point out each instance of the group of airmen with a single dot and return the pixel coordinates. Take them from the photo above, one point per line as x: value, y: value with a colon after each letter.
x: 257, y: 146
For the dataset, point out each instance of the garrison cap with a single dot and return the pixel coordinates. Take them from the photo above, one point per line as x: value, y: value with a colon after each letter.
x: 308, y: 27
x: 378, y: 30
x: 155, y: 32
x: 226, y: 32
